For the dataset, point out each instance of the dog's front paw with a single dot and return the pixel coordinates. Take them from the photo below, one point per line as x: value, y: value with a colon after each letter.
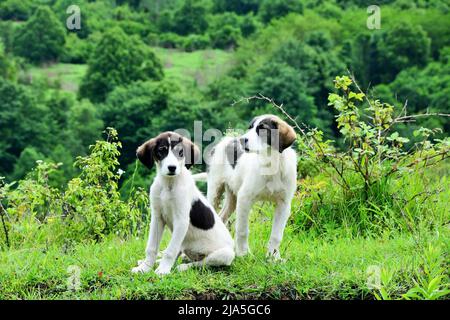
x: 183, y: 267
x: 142, y: 267
x: 162, y: 270
x: 242, y: 251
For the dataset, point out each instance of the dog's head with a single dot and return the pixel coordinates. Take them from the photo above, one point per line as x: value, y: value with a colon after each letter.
x: 268, y: 131
x: 170, y: 151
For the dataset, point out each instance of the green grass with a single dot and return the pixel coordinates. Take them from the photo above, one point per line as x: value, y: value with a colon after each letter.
x: 198, y: 68
x: 188, y: 69
x: 68, y: 75
x: 325, y: 267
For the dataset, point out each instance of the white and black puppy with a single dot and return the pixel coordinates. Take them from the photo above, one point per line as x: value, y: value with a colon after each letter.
x: 197, y: 230
x: 260, y: 165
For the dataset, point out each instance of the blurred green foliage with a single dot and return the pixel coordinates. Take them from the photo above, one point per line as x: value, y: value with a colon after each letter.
x: 147, y: 66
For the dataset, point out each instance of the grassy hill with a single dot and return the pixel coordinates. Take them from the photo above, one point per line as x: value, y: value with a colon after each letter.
x: 196, y: 68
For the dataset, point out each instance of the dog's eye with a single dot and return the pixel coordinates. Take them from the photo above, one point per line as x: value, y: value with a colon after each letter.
x: 181, y: 152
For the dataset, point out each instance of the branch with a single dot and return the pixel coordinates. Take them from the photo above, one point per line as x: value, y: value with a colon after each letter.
x: 412, y: 118
x: 279, y: 107
x: 5, y: 229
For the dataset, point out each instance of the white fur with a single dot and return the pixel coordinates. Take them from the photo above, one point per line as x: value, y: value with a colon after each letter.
x: 261, y: 174
x: 171, y: 198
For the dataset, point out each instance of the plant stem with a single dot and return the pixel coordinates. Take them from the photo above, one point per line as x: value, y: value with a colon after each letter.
x: 5, y: 229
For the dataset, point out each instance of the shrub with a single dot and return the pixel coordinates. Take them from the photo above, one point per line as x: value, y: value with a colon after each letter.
x: 196, y: 42
x: 88, y: 209
x: 375, y: 170
x: 76, y: 50
x: 171, y: 40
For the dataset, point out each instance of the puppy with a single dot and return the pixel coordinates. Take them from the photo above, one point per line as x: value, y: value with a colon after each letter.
x: 261, y: 165
x: 197, y: 230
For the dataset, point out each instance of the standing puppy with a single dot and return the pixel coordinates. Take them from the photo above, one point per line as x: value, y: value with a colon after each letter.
x: 197, y: 230
x: 258, y: 166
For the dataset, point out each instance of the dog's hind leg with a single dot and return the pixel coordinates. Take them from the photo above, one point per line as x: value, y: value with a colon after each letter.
x: 214, y: 193
x: 229, y: 205
x: 221, y: 257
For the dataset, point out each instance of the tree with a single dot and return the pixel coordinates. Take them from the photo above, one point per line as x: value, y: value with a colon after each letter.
x: 15, y: 10
x: 405, y: 45
x: 23, y: 122
x: 190, y: 18
x: 41, y: 38
x: 84, y: 125
x: 279, y: 8
x: 285, y: 85
x: 118, y: 60
x: 238, y: 6
x: 8, y: 68
x: 26, y: 162
x: 131, y: 110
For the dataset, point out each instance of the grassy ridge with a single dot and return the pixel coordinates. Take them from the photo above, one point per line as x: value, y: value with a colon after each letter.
x: 327, y: 267
x: 196, y: 68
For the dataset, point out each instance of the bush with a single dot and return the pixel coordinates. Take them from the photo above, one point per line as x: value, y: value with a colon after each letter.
x: 89, y: 209
x: 378, y: 182
x: 76, y: 50
x: 196, y: 42
x: 171, y: 41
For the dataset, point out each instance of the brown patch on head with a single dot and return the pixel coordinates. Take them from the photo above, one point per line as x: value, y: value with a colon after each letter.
x: 286, y: 134
x: 157, y: 149
x: 191, y: 152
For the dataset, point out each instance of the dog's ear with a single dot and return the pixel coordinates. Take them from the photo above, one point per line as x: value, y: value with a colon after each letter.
x: 191, y: 152
x: 286, y: 134
x: 145, y: 153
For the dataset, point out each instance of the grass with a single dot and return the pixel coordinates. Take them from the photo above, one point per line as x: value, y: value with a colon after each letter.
x: 325, y: 267
x: 196, y: 68
x: 68, y: 75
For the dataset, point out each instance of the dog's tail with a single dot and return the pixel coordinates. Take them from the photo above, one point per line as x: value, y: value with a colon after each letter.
x: 203, y: 176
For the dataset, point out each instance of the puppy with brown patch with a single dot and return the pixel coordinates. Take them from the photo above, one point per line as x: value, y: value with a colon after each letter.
x: 260, y: 165
x: 197, y: 230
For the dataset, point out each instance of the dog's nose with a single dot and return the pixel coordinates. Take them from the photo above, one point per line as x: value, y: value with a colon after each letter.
x: 171, y: 168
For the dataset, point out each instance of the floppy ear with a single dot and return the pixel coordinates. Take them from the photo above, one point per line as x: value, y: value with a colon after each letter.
x: 287, y: 135
x: 191, y: 152
x: 145, y: 153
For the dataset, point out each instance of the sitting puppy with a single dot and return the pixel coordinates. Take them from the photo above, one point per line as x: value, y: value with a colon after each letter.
x: 260, y: 165
x: 197, y: 230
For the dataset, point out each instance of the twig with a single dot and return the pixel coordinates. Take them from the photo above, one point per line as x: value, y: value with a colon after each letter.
x: 412, y: 118
x: 279, y: 107
x: 5, y: 229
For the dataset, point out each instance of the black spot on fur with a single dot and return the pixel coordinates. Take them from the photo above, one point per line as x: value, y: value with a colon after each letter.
x: 201, y: 216
x: 234, y: 151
